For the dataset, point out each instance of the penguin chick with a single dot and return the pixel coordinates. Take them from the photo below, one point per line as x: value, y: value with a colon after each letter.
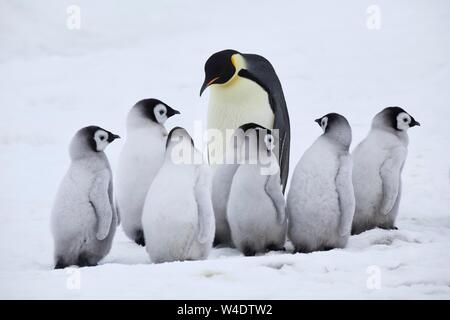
x: 321, y: 201
x: 178, y: 218
x: 83, y: 217
x: 256, y: 206
x: 378, y: 164
x: 140, y: 159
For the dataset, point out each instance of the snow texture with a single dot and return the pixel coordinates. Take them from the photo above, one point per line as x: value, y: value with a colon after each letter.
x: 55, y: 80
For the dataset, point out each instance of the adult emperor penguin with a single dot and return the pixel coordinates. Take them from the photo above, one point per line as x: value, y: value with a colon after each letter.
x: 178, y: 217
x: 83, y: 217
x: 378, y: 164
x: 256, y: 206
x: 321, y: 201
x: 245, y: 89
x: 140, y: 159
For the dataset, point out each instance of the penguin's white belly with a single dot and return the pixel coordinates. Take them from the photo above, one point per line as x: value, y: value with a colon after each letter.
x: 170, y: 216
x: 231, y: 106
x: 313, y: 203
x: 368, y: 159
x: 73, y: 213
x: 368, y: 186
x: 251, y: 213
x: 139, y: 162
x: 74, y: 222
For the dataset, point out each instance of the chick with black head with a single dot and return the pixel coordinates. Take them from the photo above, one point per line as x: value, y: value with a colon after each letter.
x: 84, y: 218
x: 378, y: 163
x: 321, y: 201
x: 256, y: 210
x: 140, y: 159
x: 178, y: 218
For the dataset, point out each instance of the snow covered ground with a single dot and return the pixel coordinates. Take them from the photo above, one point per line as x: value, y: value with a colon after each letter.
x: 54, y: 80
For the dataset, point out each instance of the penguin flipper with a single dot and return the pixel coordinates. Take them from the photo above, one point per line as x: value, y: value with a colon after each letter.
x: 390, y: 175
x: 261, y: 71
x: 346, y: 195
x: 202, y: 195
x: 100, y: 200
x: 274, y: 191
x: 117, y: 213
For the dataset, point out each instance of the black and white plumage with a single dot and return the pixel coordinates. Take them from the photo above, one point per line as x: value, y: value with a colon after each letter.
x: 378, y: 164
x: 140, y: 159
x: 84, y: 218
x: 256, y: 206
x: 178, y: 218
x: 321, y: 201
x: 245, y: 89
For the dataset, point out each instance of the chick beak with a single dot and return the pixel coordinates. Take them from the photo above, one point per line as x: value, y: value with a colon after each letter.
x: 113, y: 137
x: 414, y: 123
x: 171, y: 112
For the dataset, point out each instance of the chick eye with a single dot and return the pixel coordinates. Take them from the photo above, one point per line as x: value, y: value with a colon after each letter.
x: 405, y: 120
x: 102, y: 138
x: 161, y: 112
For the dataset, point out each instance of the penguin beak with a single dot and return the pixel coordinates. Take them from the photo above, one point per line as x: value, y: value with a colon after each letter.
x: 113, y: 137
x: 414, y: 123
x: 207, y: 83
x: 318, y: 121
x: 171, y: 112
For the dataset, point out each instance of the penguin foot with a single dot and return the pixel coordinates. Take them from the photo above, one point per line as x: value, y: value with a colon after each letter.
x: 302, y: 250
x: 139, y: 239
x: 388, y: 227
x: 274, y: 247
x: 60, y: 264
x: 358, y: 230
x: 84, y: 260
x: 248, y: 251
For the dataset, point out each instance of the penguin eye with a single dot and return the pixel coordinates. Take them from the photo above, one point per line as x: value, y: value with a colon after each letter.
x: 405, y: 119
x: 268, y: 139
x: 102, y: 138
x: 160, y: 111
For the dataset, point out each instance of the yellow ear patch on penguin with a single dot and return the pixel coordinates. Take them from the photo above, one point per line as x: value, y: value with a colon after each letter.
x: 238, y: 61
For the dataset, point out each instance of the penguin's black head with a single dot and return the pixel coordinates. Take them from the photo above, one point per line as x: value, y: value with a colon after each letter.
x: 219, y: 68
x: 177, y: 134
x: 397, y: 118
x: 330, y: 121
x: 155, y: 110
x: 336, y: 127
x: 97, y: 138
x: 264, y: 136
x: 249, y: 126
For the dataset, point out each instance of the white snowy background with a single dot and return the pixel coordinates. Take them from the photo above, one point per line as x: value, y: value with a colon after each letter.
x: 54, y: 80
